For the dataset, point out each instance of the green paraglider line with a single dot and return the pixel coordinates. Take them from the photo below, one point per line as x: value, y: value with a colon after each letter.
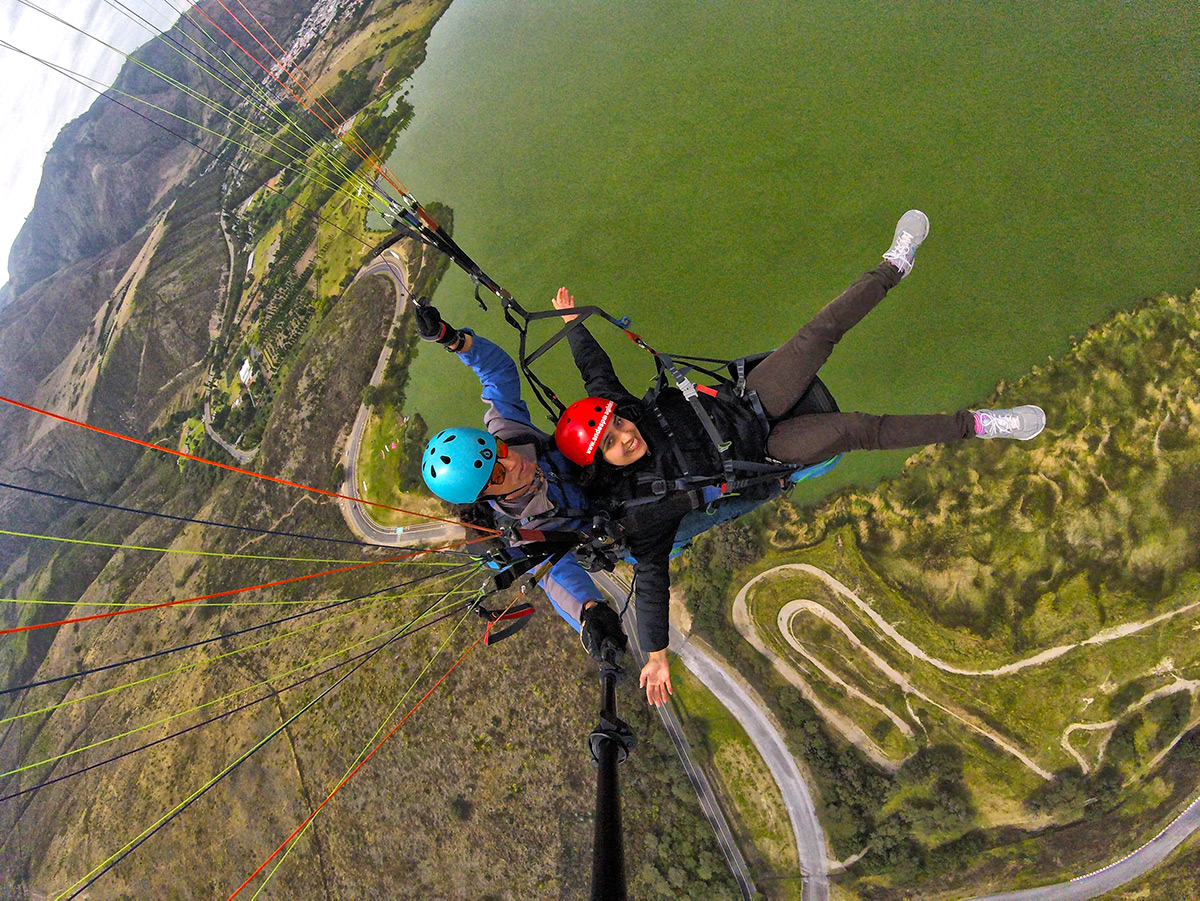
x: 190, y: 519
x: 74, y: 890
x: 274, y: 692
x: 174, y: 550
x: 204, y: 597
x: 304, y: 825
x: 188, y: 91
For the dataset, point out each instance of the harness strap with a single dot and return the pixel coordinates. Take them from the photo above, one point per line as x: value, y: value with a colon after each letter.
x: 689, y: 390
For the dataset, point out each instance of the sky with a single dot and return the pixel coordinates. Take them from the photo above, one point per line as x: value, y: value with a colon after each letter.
x: 37, y: 101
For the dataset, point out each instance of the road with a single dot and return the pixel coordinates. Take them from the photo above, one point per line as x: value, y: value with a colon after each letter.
x: 1128, y: 868
x: 390, y: 265
x: 617, y: 590
x: 241, y: 456
x: 1091, y: 885
x: 751, y: 712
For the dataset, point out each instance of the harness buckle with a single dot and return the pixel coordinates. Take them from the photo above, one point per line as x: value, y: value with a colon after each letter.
x: 659, y: 487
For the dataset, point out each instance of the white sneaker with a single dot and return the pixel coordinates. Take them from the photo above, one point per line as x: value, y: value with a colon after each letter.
x: 1021, y: 423
x: 911, y: 230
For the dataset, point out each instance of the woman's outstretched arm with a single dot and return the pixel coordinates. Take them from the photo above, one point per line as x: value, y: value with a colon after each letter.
x: 599, y: 377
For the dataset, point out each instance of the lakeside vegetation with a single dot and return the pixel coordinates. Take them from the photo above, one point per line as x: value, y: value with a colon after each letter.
x: 298, y: 232
x: 981, y: 555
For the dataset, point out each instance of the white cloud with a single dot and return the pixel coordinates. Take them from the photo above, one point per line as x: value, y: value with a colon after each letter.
x: 36, y: 102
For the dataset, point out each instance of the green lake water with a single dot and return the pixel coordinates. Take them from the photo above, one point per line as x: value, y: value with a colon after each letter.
x: 719, y: 171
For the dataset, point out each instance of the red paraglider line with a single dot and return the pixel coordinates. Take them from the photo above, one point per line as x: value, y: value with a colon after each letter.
x: 350, y: 775
x: 247, y: 472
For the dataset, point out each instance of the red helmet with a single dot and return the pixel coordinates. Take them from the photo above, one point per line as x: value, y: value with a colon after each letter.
x: 580, y: 427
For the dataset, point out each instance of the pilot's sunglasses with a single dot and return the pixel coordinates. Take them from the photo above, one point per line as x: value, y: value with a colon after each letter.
x: 498, y: 471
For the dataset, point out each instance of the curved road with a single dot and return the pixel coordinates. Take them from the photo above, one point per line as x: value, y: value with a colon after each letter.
x: 750, y: 711
x: 390, y: 265
x: 1136, y: 863
x: 617, y: 590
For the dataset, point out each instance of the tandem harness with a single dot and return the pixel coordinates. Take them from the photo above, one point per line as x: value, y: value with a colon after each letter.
x: 409, y: 219
x: 602, y: 545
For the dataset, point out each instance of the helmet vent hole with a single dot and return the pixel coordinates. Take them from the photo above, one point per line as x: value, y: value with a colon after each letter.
x: 592, y: 423
x: 445, y: 459
x: 450, y: 438
x: 479, y: 464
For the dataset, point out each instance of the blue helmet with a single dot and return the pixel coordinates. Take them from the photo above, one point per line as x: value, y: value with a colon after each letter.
x: 458, y: 464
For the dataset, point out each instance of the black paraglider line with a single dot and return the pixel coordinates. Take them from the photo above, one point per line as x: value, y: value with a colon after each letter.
x: 270, y: 694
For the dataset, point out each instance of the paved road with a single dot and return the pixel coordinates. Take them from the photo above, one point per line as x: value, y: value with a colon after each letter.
x: 357, y: 518
x: 750, y: 710
x: 241, y: 456
x: 617, y: 590
x: 1128, y: 868
x: 1091, y: 885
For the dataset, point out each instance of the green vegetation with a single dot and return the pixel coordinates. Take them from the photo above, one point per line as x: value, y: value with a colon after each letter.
x: 982, y: 555
x: 749, y: 790
x: 1117, y: 475
x: 389, y: 475
x: 306, y: 219
x: 389, y: 460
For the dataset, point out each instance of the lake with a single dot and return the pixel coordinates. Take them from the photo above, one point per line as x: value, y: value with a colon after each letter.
x: 719, y: 171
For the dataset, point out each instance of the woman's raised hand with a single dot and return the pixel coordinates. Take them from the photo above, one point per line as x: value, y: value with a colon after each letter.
x: 656, y: 678
x: 564, y: 301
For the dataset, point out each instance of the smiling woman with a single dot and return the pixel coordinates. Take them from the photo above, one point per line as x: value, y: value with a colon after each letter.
x: 652, y: 461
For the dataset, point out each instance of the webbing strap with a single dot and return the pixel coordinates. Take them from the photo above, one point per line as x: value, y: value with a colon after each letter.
x: 688, y: 389
x: 517, y: 619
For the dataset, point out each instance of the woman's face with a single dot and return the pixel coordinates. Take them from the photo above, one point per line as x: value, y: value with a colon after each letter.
x: 622, y: 443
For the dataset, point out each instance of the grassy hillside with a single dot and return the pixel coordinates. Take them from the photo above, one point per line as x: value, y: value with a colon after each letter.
x: 999, y: 644
x: 489, y: 789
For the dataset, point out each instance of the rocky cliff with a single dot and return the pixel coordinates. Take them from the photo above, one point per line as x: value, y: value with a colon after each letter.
x: 110, y: 168
x: 115, y: 278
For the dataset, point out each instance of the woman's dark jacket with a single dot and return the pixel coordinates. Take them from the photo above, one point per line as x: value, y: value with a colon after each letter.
x: 656, y: 523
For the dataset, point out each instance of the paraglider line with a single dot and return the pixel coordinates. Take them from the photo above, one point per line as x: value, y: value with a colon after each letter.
x: 215, y: 701
x: 247, y: 472
x: 245, y: 631
x: 202, y: 522
x: 103, y: 868
x: 220, y: 716
x: 361, y: 763
x: 219, y: 594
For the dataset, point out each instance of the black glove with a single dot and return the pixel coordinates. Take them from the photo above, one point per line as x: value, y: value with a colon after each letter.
x: 602, y: 631
x: 431, y: 327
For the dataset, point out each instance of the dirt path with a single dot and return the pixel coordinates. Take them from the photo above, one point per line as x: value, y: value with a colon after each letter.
x: 1122, y: 631
x: 847, y: 727
x: 784, y: 621
x: 1190, y: 685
